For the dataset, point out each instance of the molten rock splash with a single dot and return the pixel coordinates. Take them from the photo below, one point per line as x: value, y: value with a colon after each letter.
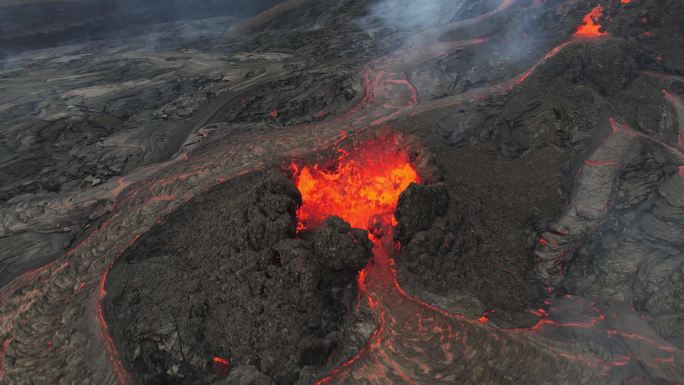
x: 358, y: 185
x: 590, y: 24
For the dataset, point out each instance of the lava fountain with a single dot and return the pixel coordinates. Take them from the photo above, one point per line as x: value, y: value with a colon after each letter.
x: 361, y: 185
x: 591, y: 27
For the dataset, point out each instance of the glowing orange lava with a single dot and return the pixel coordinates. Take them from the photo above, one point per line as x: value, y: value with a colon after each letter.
x: 360, y: 184
x: 590, y: 26
x: 219, y: 360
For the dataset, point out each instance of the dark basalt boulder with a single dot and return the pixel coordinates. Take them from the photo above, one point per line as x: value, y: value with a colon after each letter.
x: 340, y: 247
x: 417, y: 207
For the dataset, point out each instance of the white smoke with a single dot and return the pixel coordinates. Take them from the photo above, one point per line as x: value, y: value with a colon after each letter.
x: 415, y: 14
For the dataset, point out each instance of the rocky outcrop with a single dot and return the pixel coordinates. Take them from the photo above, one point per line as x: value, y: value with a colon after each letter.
x: 243, y: 288
x: 418, y: 207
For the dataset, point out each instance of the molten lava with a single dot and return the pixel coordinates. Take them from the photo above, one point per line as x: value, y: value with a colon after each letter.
x: 590, y: 26
x: 357, y: 186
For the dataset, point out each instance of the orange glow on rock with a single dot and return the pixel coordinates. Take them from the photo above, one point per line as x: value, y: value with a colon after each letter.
x: 590, y: 26
x: 220, y: 366
x: 220, y: 360
x: 357, y: 186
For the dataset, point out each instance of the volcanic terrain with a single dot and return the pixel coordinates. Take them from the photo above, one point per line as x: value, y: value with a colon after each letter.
x: 342, y: 192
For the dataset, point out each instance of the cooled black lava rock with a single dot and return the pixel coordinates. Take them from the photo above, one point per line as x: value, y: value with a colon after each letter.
x: 417, y: 207
x: 636, y: 255
x: 443, y: 259
x: 294, y: 100
x: 246, y: 375
x: 340, y: 247
x: 459, y: 127
x: 227, y: 277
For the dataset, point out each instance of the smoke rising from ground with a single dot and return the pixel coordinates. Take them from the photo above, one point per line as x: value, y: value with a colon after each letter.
x: 402, y: 14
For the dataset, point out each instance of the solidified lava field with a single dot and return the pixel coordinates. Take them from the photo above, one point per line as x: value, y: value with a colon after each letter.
x: 342, y: 192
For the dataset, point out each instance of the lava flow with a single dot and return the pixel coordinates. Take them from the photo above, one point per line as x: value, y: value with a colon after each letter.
x: 590, y: 24
x: 361, y: 184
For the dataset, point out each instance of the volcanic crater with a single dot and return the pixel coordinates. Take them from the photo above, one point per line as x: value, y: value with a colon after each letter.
x: 263, y: 268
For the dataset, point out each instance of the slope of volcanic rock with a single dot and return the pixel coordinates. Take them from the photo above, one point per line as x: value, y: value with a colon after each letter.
x: 636, y: 255
x: 44, y: 23
x: 76, y: 118
x: 225, y: 279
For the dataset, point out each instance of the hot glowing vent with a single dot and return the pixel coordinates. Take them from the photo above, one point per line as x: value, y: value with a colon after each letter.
x: 590, y: 26
x: 360, y: 184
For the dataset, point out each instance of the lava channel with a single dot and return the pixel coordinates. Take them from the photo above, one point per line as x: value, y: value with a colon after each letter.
x: 362, y: 186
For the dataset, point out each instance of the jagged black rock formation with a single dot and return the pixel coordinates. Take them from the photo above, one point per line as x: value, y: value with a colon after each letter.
x: 417, y: 207
x: 226, y: 277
